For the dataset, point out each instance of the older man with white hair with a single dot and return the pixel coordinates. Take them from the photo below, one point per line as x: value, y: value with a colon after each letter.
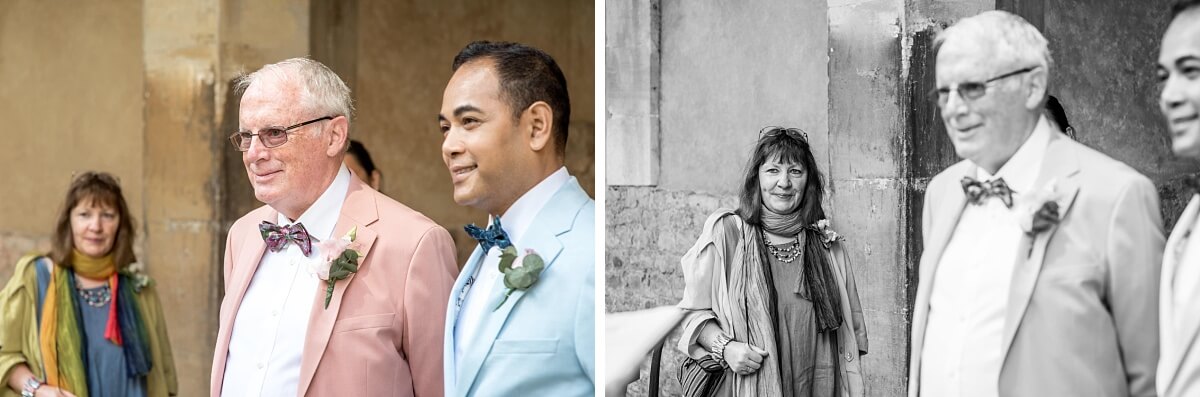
x: 331, y: 289
x: 1039, y: 275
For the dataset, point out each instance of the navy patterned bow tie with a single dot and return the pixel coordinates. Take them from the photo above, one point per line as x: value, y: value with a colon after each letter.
x: 277, y: 236
x: 493, y: 236
x: 976, y: 191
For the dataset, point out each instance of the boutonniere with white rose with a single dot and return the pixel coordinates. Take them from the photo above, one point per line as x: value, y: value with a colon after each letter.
x: 828, y: 236
x: 1038, y: 211
x: 338, y: 259
x: 520, y: 272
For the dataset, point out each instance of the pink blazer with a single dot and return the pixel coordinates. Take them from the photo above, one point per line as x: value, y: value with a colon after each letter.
x: 382, y: 333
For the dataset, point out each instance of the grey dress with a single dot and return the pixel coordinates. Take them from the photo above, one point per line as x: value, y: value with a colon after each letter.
x: 806, y: 358
x: 104, y: 360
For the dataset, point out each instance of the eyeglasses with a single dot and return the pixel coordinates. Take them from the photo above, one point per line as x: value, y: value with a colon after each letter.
x: 775, y: 131
x: 972, y: 90
x: 270, y: 137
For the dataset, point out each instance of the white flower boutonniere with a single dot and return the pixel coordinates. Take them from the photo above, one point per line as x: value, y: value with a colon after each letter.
x: 136, y: 272
x: 1038, y: 210
x: 520, y: 273
x: 828, y: 236
x: 338, y: 259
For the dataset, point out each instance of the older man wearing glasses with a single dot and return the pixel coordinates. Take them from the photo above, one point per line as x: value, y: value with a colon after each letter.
x: 1039, y: 275
x: 331, y: 289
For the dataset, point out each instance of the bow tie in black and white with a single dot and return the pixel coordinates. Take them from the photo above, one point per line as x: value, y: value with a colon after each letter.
x: 977, y: 191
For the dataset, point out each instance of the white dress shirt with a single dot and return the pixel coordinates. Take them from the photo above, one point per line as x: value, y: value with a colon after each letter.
x: 268, y: 333
x: 964, y: 335
x: 515, y: 222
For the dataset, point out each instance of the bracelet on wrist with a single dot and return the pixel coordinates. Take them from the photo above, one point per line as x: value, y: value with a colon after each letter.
x: 718, y: 348
x: 30, y: 387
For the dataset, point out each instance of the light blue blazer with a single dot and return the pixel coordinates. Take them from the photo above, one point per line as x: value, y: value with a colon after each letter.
x: 542, y: 341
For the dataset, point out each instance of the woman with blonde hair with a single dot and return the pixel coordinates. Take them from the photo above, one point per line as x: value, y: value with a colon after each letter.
x: 84, y: 320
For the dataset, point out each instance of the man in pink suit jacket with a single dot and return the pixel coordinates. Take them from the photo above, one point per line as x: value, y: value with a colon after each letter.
x: 1039, y: 275
x: 284, y: 331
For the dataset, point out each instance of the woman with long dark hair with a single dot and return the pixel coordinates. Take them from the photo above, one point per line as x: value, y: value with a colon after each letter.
x: 772, y: 305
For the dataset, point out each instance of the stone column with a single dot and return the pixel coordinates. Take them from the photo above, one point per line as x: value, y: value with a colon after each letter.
x: 181, y: 171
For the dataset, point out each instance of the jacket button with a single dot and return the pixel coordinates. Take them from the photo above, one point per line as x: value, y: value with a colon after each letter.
x: 849, y: 357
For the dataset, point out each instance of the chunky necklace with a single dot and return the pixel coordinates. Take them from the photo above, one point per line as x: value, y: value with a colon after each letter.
x: 96, y: 297
x: 785, y: 253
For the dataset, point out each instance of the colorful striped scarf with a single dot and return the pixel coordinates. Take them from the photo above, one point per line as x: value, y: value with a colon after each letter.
x: 61, y: 334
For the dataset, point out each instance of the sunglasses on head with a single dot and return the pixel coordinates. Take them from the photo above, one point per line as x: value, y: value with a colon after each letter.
x: 775, y: 131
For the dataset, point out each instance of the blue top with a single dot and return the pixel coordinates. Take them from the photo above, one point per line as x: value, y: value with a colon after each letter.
x: 107, y: 375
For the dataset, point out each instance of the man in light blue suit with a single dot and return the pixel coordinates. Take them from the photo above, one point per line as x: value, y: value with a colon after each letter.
x: 512, y: 328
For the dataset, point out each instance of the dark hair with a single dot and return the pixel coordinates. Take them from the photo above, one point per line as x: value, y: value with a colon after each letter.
x: 360, y: 153
x: 791, y: 145
x: 789, y: 149
x: 96, y: 188
x: 527, y: 75
x: 1183, y: 5
x: 1058, y: 114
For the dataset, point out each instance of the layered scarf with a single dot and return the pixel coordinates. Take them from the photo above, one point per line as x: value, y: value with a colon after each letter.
x: 818, y: 276
x: 61, y: 331
x: 752, y: 297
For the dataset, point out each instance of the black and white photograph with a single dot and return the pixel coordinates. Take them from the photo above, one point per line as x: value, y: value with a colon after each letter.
x: 902, y: 198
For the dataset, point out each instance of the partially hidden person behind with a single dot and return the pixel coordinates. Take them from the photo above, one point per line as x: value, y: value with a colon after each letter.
x: 521, y: 318
x: 1179, y: 290
x: 331, y: 288
x: 358, y: 159
x: 85, y: 320
x: 773, y: 307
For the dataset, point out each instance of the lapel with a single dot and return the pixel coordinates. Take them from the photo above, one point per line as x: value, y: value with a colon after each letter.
x: 1180, y: 342
x: 358, y: 210
x: 244, y: 266
x: 555, y: 219
x: 1060, y: 164
x: 452, y: 309
x: 939, y: 232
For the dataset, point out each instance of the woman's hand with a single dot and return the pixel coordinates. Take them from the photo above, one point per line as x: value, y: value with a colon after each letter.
x: 743, y: 358
x: 51, y: 391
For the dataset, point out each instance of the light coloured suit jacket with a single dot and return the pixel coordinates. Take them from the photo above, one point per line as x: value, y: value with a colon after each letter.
x: 542, y: 341
x: 1082, y: 317
x: 1179, y: 364
x: 382, y: 332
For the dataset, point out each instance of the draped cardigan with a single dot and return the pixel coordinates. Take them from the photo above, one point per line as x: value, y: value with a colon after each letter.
x: 19, y: 331
x: 706, y: 268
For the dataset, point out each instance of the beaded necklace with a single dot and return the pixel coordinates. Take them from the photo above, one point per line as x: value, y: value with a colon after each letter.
x: 786, y: 252
x: 95, y: 297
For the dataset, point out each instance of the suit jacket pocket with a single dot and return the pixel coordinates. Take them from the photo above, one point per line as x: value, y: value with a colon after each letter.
x: 525, y: 346
x: 363, y: 322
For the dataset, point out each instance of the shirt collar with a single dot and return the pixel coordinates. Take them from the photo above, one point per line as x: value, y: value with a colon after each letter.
x: 520, y: 215
x: 1021, y: 170
x: 320, y: 218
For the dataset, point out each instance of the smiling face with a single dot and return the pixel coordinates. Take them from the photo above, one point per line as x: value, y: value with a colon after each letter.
x: 782, y: 184
x: 987, y: 130
x: 287, y: 177
x: 483, y: 147
x: 94, y: 227
x: 1179, y: 80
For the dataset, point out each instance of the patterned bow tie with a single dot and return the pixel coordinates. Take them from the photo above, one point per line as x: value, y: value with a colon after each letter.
x: 493, y: 236
x: 977, y: 191
x: 277, y: 236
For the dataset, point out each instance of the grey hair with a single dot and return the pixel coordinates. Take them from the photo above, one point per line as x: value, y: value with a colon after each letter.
x: 1016, y: 39
x: 322, y: 90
